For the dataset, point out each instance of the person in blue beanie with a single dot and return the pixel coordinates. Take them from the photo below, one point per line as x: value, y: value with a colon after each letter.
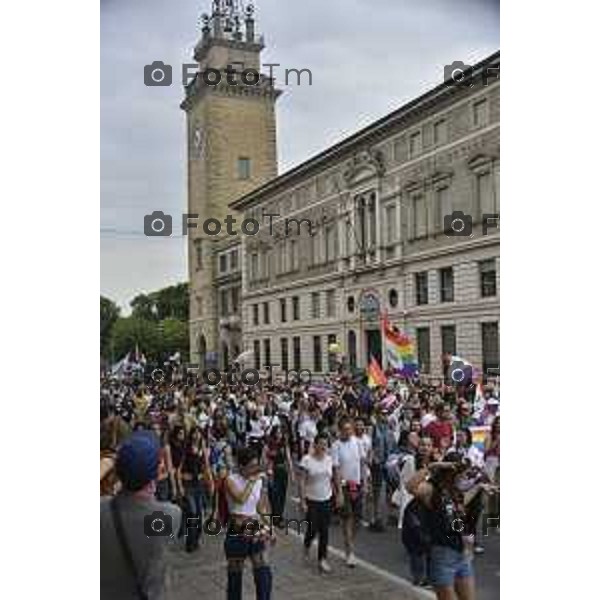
x: 134, y: 527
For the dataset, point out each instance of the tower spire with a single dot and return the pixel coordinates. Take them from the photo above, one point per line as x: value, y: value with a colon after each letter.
x: 226, y: 19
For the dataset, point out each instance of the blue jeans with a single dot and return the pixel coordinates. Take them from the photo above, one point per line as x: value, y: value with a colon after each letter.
x: 237, y: 549
x: 447, y: 564
x: 193, y: 513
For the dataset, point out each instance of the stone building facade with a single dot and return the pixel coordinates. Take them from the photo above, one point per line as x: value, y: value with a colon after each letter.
x: 231, y: 149
x: 356, y: 231
x: 377, y: 203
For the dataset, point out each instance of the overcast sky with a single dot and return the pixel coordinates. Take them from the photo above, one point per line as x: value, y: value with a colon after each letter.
x: 367, y: 57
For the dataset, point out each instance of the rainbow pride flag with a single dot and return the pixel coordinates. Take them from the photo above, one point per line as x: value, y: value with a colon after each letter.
x: 399, y: 351
x: 375, y: 374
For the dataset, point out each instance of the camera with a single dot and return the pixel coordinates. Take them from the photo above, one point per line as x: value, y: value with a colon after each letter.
x: 459, y: 373
x: 457, y: 74
x: 458, y: 224
x: 158, y: 224
x: 158, y: 524
x: 157, y: 73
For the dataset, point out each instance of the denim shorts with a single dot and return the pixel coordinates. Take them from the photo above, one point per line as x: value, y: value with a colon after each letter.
x: 447, y: 564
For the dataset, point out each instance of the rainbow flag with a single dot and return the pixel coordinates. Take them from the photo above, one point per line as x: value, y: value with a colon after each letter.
x: 399, y: 350
x: 479, y: 434
x: 375, y: 375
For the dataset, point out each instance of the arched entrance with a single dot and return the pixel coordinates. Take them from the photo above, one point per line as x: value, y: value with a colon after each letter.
x: 352, y: 349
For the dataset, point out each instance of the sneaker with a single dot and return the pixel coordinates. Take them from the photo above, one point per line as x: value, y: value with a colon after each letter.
x: 324, y: 566
x: 377, y: 527
x: 351, y: 559
x: 478, y: 549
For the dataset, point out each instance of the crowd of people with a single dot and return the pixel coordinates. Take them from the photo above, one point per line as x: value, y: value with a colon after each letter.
x: 400, y: 455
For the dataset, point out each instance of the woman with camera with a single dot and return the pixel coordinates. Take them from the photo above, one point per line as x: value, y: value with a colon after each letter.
x: 444, y: 491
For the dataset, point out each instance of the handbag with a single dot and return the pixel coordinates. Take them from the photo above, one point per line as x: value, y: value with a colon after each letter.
x: 118, y: 523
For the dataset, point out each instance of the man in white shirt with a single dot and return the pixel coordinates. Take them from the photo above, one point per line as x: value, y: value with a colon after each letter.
x: 349, y: 462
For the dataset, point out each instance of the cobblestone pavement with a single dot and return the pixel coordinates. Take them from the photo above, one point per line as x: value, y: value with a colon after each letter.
x: 203, y: 575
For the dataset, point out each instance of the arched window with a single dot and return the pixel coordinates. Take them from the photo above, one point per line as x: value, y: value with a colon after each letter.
x: 352, y: 349
x: 202, y: 352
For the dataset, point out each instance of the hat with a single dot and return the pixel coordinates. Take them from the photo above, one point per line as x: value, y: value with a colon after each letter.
x: 137, y: 460
x: 493, y: 402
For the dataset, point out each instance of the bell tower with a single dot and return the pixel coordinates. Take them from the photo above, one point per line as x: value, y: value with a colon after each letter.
x: 231, y: 148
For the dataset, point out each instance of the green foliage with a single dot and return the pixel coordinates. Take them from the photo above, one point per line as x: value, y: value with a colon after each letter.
x: 109, y: 313
x: 157, y: 326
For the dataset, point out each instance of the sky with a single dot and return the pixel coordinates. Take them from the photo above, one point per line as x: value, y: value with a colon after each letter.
x: 367, y: 58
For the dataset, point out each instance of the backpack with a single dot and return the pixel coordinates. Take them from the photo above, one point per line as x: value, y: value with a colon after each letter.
x: 415, y: 537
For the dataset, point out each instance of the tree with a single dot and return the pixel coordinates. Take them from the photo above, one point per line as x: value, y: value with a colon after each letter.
x: 168, y: 303
x: 129, y: 333
x: 109, y: 313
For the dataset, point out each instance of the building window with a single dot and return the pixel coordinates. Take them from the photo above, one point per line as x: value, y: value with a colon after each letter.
x: 317, y: 353
x: 296, y: 308
x: 266, y: 318
x: 267, y: 352
x: 315, y: 305
x: 243, y: 167
x: 480, y: 113
x: 448, y: 333
x: 255, y: 314
x: 443, y: 206
x: 351, y: 303
x: 423, y: 349
x: 393, y: 298
x: 283, y: 310
x: 352, y: 349
x: 331, y: 340
x: 330, y: 243
x: 422, y: 288
x: 490, y: 345
x: 254, y: 267
x: 233, y: 260
x: 296, y: 351
x: 235, y: 300
x: 440, y: 132
x: 419, y: 216
x: 487, y: 278
x: 486, y: 198
x: 225, y: 350
x: 257, y: 355
x: 330, y: 303
x: 223, y: 303
x: 199, y: 306
x: 293, y: 255
x: 223, y: 263
x: 284, y: 354
x: 390, y: 224
x: 414, y: 144
x: 447, y: 284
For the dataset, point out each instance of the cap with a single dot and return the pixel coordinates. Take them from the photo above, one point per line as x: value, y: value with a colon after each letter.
x: 137, y: 460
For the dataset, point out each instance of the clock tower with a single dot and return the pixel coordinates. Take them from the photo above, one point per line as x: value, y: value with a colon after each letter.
x: 231, y: 149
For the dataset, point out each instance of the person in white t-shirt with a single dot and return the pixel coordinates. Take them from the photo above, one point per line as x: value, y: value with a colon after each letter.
x: 315, y: 496
x: 307, y: 431
x: 349, y: 462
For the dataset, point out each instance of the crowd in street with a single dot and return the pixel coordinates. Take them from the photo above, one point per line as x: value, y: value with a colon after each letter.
x: 176, y: 454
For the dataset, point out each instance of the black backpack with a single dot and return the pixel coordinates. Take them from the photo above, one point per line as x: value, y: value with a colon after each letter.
x: 415, y: 536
